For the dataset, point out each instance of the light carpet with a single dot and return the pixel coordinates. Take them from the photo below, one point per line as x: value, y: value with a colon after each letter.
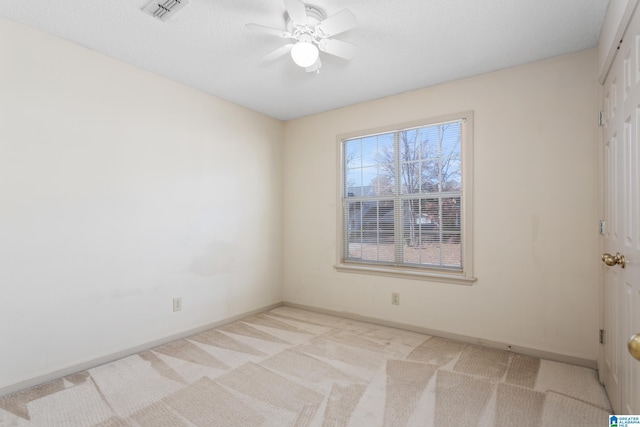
x: 290, y: 367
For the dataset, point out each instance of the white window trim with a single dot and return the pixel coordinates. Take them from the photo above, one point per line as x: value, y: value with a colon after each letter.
x: 464, y: 277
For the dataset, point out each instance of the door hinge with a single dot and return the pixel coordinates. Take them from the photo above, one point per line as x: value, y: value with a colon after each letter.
x: 603, y: 227
x: 601, y: 336
x: 600, y: 118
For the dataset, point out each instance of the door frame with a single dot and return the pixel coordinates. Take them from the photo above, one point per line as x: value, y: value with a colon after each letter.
x: 619, y: 14
x: 615, y: 24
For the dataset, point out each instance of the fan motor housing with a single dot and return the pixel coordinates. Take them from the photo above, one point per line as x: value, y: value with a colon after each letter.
x: 315, y: 15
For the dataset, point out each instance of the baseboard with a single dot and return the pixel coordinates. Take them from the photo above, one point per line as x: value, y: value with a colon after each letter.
x: 557, y: 357
x: 542, y: 354
x: 41, y: 379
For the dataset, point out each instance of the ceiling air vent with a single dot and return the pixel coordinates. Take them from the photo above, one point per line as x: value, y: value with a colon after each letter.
x: 164, y: 9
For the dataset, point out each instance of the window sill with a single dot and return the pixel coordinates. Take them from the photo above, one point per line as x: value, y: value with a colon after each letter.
x: 406, y: 273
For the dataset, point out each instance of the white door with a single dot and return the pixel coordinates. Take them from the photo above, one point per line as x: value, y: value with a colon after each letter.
x: 621, y: 164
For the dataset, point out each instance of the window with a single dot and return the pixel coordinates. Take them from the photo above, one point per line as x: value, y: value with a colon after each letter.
x: 406, y: 201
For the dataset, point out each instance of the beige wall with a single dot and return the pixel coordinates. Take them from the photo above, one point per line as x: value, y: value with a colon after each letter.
x: 119, y: 191
x: 536, y: 205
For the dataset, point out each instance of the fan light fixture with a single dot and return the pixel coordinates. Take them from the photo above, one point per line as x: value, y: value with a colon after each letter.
x: 310, y: 31
x: 304, y: 54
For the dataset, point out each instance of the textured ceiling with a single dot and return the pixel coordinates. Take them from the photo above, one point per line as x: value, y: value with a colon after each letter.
x: 402, y: 44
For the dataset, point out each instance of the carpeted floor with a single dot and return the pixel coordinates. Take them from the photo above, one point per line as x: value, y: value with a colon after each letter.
x: 290, y: 367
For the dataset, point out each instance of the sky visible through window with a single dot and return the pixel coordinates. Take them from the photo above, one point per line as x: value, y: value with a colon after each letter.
x: 429, y: 157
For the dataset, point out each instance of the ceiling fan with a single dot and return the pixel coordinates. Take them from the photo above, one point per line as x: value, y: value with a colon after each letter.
x: 311, y: 31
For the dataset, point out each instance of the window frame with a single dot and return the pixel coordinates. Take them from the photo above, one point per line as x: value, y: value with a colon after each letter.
x: 428, y: 273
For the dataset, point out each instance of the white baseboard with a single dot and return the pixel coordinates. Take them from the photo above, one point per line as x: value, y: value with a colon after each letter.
x: 41, y: 379
x: 542, y: 354
x: 31, y: 382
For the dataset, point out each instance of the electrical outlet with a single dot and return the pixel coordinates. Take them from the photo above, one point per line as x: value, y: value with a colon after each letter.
x: 177, y: 304
x: 395, y: 298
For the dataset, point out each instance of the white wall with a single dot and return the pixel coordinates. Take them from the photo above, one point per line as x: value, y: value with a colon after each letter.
x: 120, y: 190
x: 536, y: 205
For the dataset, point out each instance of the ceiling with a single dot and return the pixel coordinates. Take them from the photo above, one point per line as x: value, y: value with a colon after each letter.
x: 402, y: 44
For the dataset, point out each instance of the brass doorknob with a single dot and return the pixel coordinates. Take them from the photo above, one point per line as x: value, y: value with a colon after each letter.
x: 634, y: 346
x: 612, y: 260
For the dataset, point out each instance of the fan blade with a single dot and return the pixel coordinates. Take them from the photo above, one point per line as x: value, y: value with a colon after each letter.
x: 296, y: 11
x: 281, y: 51
x: 338, y: 23
x: 315, y: 67
x: 338, y: 48
x: 268, y: 30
